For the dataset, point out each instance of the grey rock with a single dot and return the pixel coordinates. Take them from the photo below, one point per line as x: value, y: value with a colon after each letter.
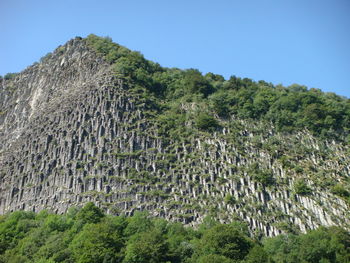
x: 71, y: 132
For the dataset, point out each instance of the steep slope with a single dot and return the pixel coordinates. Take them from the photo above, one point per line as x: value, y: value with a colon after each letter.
x: 77, y: 128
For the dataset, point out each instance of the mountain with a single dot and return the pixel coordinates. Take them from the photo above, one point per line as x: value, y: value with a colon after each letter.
x: 94, y: 121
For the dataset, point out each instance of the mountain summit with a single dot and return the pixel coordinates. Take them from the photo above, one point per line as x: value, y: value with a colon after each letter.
x: 94, y: 121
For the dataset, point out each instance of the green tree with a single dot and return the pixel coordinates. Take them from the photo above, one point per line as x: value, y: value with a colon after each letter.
x: 220, y: 103
x: 9, y: 76
x: 55, y: 248
x: 32, y: 243
x: 196, y: 83
x: 225, y: 240
x: 14, y: 227
x: 90, y: 213
x: 139, y: 222
x: 97, y: 242
x: 213, y: 258
x: 178, y: 240
x: 207, y: 122
x: 315, y: 247
x: 146, y: 247
x: 257, y: 255
x: 57, y: 223
x: 283, y: 248
x: 301, y: 188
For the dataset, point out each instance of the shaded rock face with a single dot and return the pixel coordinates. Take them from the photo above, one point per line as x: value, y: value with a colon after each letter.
x: 71, y: 132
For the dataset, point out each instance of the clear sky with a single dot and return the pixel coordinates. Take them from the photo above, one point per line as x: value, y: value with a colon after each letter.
x: 279, y: 41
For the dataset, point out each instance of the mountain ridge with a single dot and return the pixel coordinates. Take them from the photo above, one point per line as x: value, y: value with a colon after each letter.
x: 95, y: 124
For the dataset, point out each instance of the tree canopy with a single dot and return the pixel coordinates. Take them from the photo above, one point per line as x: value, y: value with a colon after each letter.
x: 289, y: 109
x: 46, y: 237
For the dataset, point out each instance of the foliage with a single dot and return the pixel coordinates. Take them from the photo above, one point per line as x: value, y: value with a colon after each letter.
x: 45, y: 237
x: 225, y: 240
x: 288, y: 109
x: 46, y: 57
x: 145, y: 247
x: 263, y: 176
x: 230, y: 199
x: 213, y: 258
x: 10, y: 76
x: 320, y: 245
x: 90, y: 213
x: 97, y: 243
x: 257, y: 255
x: 206, y: 122
x: 340, y: 190
x: 301, y: 188
x: 139, y: 223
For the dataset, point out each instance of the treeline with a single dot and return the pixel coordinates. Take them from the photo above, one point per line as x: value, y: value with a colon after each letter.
x: 287, y: 108
x: 88, y: 235
x: 8, y: 76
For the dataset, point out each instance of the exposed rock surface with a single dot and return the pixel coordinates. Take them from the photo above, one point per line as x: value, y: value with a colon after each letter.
x: 71, y: 132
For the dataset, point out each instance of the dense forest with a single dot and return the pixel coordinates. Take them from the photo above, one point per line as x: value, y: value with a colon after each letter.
x: 288, y: 109
x: 88, y: 235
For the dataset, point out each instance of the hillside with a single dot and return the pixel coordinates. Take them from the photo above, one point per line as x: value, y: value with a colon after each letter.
x: 94, y: 121
x: 87, y: 235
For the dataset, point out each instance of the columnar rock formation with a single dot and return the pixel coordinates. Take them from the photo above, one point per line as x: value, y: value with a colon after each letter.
x: 72, y: 132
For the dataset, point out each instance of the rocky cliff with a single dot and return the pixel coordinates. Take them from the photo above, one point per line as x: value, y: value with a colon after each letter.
x: 71, y: 131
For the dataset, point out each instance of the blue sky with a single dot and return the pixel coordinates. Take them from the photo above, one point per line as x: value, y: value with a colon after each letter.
x: 279, y: 41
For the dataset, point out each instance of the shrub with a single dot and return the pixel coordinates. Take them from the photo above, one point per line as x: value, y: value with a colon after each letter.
x: 9, y: 76
x: 90, y: 213
x: 206, y: 122
x: 301, y: 188
x: 230, y: 199
x: 264, y: 177
x: 339, y: 190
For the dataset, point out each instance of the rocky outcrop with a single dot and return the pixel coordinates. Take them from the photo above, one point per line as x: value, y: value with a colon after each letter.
x: 72, y: 132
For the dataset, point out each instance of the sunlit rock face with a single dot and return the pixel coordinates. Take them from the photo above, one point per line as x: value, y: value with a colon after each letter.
x: 71, y: 132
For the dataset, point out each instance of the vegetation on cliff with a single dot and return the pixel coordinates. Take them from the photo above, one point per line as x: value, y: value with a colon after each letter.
x: 87, y: 235
x: 177, y: 143
x: 289, y: 109
x: 184, y: 103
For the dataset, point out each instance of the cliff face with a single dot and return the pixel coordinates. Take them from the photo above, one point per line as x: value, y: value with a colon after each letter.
x: 72, y: 132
